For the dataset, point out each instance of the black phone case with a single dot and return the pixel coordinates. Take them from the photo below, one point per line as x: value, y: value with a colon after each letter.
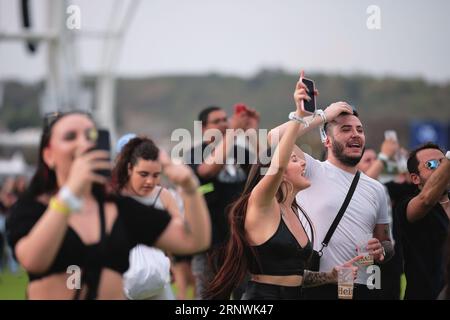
x: 103, y: 143
x: 309, y: 106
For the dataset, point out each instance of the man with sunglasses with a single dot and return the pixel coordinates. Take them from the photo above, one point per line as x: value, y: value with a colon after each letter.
x: 222, y: 177
x: 424, y: 219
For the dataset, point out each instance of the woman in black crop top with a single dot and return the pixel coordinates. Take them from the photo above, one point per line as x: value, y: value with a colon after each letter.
x: 267, y: 237
x: 73, y: 242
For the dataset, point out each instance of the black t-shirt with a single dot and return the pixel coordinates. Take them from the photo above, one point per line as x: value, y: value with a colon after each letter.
x: 220, y: 191
x: 423, y: 248
x: 392, y: 269
x: 2, y: 208
x: 398, y: 192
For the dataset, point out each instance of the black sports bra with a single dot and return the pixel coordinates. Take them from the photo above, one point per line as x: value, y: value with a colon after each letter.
x: 135, y: 223
x: 281, y: 255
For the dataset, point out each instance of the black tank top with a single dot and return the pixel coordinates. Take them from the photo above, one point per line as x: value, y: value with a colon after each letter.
x: 281, y: 255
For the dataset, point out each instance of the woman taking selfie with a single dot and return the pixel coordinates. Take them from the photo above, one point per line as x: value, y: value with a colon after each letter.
x: 72, y: 240
x: 268, y: 239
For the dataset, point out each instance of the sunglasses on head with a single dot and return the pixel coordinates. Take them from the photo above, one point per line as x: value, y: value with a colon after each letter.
x: 432, y: 164
x: 51, y: 117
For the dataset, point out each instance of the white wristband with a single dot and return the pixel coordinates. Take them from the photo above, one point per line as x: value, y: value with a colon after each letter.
x: 293, y: 116
x: 383, y: 157
x: 323, y: 134
x: 73, y: 202
x: 447, y: 155
x: 321, y: 113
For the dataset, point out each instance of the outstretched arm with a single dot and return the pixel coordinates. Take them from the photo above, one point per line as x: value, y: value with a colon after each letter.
x: 432, y: 191
x: 214, y: 163
x: 263, y: 194
x: 216, y: 160
x: 331, y: 112
x: 388, y: 148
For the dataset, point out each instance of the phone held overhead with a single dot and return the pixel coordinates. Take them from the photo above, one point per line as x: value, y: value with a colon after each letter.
x: 308, y: 107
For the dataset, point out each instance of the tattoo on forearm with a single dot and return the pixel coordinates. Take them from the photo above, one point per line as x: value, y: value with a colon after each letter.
x: 389, y: 249
x: 314, y: 279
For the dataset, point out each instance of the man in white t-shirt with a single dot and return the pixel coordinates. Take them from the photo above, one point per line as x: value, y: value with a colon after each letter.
x: 366, y: 216
x: 367, y: 212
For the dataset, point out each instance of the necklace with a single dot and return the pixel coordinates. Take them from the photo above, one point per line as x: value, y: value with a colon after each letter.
x: 444, y: 202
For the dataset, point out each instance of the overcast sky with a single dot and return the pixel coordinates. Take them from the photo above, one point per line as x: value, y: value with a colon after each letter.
x: 243, y: 36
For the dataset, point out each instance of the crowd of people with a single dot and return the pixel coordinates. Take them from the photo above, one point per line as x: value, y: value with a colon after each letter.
x: 233, y: 229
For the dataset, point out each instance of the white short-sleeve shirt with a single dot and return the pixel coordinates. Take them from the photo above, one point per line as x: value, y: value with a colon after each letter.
x: 322, y: 201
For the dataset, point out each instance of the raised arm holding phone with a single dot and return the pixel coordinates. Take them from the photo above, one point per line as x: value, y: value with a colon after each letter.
x: 424, y: 219
x: 71, y: 237
x: 367, y: 211
x: 388, y: 149
x: 268, y: 239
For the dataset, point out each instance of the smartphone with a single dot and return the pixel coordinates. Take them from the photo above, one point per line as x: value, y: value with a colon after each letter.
x: 309, y: 106
x: 103, y: 143
x: 390, y: 135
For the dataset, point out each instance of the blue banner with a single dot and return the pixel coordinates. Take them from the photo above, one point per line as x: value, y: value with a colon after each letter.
x: 429, y: 131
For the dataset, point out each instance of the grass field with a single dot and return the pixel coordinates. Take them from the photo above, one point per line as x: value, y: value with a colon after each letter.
x: 12, y: 286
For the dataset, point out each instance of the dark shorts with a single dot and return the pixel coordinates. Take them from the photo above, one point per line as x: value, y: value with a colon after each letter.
x: 264, y: 291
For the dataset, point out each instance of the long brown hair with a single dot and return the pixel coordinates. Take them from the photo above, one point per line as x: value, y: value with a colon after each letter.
x: 238, y: 251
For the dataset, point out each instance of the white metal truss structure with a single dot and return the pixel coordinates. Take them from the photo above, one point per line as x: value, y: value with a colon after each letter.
x: 64, y: 90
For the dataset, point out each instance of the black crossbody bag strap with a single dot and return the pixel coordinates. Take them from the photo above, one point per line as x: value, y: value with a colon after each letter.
x: 341, y: 212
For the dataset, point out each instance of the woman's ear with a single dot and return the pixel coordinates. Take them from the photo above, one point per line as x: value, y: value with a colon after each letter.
x: 48, y: 157
x: 130, y: 169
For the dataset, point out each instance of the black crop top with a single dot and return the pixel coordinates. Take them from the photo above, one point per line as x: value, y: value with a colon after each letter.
x: 281, y: 255
x: 135, y: 223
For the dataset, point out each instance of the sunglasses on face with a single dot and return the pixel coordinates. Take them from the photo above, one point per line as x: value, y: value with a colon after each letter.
x: 432, y: 164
